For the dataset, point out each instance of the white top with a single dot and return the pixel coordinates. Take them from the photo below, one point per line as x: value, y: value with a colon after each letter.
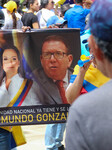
x: 7, y: 95
x: 43, y: 15
x: 8, y: 24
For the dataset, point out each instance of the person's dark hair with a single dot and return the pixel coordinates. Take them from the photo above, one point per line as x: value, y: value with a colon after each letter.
x: 58, y: 38
x: 44, y: 3
x: 64, y: 8
x: 2, y: 18
x: 106, y: 47
x: 78, y: 1
x: 30, y: 2
x: 17, y: 2
x: 14, y: 19
x: 20, y: 69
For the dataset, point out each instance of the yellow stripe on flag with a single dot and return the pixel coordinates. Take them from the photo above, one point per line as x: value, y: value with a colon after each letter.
x: 93, y: 76
x: 18, y: 94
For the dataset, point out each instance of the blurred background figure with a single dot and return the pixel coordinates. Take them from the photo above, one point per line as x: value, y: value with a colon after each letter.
x: 64, y: 8
x: 87, y: 3
x: 62, y: 2
x: 29, y: 18
x: 84, y: 37
x: 56, y: 22
x: 11, y: 19
x: 45, y: 12
x: 2, y: 2
x: 76, y: 16
x: 63, y: 5
x: 19, y: 10
x: 2, y: 18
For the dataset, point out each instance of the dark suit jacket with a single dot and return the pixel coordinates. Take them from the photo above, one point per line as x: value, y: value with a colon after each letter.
x: 47, y: 90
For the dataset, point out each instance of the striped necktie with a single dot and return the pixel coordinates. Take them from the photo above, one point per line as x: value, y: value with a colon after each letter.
x: 60, y: 86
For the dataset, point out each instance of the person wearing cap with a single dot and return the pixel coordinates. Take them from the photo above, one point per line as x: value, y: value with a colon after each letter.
x: 45, y: 12
x: 56, y: 22
x: 89, y: 124
x: 11, y: 20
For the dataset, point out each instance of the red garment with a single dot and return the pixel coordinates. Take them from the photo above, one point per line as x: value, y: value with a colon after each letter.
x: 60, y: 86
x: 83, y: 91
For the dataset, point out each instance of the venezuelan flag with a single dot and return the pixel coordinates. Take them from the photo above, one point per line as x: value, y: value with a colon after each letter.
x: 93, y: 79
x: 17, y: 136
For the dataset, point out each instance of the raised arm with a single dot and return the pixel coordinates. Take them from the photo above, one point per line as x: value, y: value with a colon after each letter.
x: 74, y: 89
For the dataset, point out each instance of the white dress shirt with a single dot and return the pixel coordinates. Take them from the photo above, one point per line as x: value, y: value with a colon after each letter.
x: 7, y: 95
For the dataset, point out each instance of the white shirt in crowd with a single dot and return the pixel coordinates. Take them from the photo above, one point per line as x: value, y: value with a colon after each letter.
x: 8, y: 24
x: 43, y: 15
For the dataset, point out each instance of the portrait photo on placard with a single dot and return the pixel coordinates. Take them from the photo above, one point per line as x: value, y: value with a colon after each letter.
x: 32, y: 62
x: 35, y: 70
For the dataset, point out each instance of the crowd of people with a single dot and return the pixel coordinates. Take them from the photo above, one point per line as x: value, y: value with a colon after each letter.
x: 87, y: 89
x: 38, y: 13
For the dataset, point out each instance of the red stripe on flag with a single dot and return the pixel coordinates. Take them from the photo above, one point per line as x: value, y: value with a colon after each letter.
x: 29, y: 86
x: 83, y: 91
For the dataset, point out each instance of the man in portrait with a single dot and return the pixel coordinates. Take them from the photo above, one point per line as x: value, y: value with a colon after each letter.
x: 55, y: 72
